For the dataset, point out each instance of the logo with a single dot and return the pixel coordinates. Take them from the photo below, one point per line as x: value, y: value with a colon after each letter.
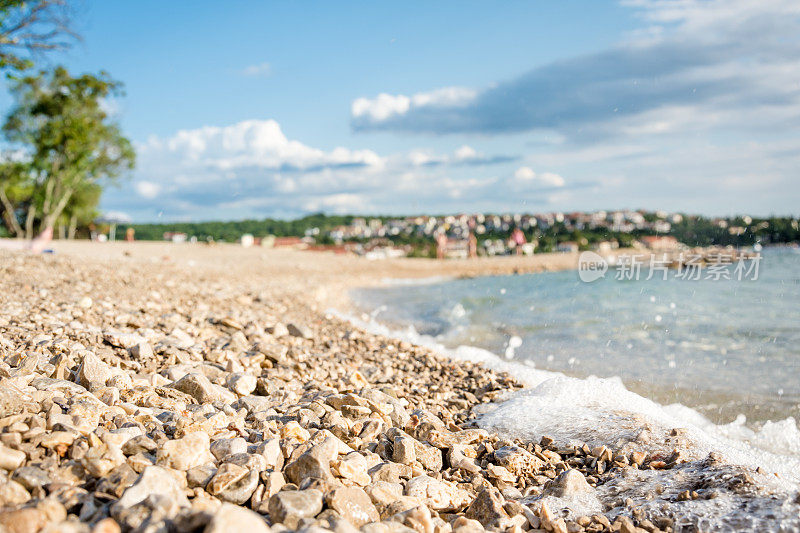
x: 591, y: 267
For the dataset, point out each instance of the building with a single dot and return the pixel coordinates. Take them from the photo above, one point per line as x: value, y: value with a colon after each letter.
x: 660, y: 243
x: 175, y: 236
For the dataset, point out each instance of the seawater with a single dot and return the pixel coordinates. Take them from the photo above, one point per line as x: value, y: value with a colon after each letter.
x: 606, y: 362
x: 725, y: 348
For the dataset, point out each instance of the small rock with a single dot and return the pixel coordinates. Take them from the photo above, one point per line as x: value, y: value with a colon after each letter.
x: 141, y: 350
x: 404, y: 452
x: 290, y: 506
x: 240, y: 383
x: 224, y: 447
x: 200, y: 388
x: 188, y: 452
x: 517, y: 460
x: 28, y: 520
x: 11, y: 459
x: 353, y: 467
x: 199, y: 476
x: 297, y: 330
x: 31, y: 477
x: 273, y: 483
x: 277, y: 330
x: 106, y: 525
x: 13, y: 493
x: 353, y: 505
x: 232, y: 518
x: 315, y: 463
x: 233, y: 483
x: 487, y: 508
x: 93, y: 373
x: 568, y: 484
x: 153, y: 481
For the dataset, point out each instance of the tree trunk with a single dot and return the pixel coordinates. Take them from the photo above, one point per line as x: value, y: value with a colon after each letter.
x: 9, y: 216
x: 73, y: 226
x: 49, y: 219
x: 29, y: 220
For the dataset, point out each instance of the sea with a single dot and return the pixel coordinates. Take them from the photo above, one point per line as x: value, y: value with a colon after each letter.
x: 717, y: 354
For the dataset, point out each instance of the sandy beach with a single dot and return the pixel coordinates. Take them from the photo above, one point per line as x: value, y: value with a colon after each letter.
x: 160, y: 387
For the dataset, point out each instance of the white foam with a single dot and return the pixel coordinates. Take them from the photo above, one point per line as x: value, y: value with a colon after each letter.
x: 599, y: 411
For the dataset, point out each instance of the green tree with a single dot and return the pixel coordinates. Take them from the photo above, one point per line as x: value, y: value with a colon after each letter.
x: 81, y: 209
x: 70, y: 142
x: 31, y: 27
x: 14, y: 190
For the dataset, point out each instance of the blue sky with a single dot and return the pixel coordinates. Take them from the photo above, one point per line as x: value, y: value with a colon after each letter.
x: 254, y: 109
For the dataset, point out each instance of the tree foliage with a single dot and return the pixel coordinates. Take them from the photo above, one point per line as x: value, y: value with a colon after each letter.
x: 67, y: 145
x: 32, y: 27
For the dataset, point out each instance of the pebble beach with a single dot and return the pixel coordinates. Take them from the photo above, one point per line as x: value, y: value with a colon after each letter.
x: 153, y: 387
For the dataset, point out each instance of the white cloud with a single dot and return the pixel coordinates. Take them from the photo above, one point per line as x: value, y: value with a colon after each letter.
x: 260, y: 69
x: 147, y: 189
x: 366, y: 111
x: 465, y: 153
x: 251, y: 143
x: 731, y: 61
x: 526, y: 176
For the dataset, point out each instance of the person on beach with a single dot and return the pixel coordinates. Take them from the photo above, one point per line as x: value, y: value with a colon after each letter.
x: 441, y: 245
x: 36, y: 245
x: 472, y: 246
x: 517, y: 240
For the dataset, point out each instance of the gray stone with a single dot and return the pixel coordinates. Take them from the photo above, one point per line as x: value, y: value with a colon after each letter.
x: 568, y: 484
x: 290, y: 506
x: 233, y: 483
x: 241, y: 383
x: 234, y: 519
x: 153, y: 481
x: 224, y: 447
x: 93, y: 373
x: 199, y: 476
x: 487, y: 508
x: 11, y: 459
x: 315, y: 463
x: 299, y: 330
x: 353, y: 505
x: 139, y: 444
x: 188, y: 452
x: 517, y: 460
x: 404, y: 452
x: 201, y: 389
x: 31, y: 477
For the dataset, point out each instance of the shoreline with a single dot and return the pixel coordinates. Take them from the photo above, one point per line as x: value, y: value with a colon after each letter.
x: 214, y: 339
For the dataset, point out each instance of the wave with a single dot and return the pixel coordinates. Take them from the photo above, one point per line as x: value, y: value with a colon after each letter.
x: 602, y: 411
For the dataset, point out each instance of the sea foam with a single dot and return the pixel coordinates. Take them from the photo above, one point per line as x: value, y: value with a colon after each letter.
x: 601, y: 411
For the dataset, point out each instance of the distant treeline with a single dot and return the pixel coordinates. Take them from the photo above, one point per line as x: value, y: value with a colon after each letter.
x: 691, y: 230
x: 231, y: 231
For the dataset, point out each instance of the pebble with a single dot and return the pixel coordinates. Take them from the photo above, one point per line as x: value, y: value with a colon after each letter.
x: 353, y: 504
x: 154, y: 481
x: 289, y: 507
x: 187, y: 452
x: 233, y: 518
x: 144, y: 411
x: 11, y: 459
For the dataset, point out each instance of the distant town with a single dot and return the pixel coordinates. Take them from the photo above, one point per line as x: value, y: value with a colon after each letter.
x: 464, y: 235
